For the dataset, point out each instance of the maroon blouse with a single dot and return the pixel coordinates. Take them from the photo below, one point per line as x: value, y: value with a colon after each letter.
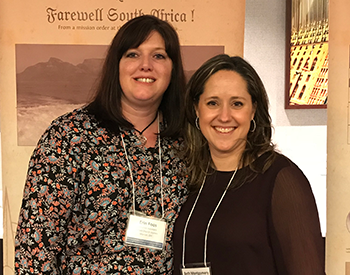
x: 268, y: 226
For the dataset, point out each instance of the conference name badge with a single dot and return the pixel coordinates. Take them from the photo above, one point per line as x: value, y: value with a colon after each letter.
x: 144, y: 231
x: 196, y: 271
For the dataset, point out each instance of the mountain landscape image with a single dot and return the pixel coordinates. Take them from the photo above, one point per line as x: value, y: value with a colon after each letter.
x: 55, y: 85
x: 47, y: 83
x: 49, y: 89
x: 54, y: 81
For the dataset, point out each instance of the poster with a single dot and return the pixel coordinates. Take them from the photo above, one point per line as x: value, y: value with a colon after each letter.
x: 89, y: 24
x: 53, y: 79
x: 308, y: 31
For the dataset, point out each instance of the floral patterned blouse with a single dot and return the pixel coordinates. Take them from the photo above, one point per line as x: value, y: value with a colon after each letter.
x: 78, y: 194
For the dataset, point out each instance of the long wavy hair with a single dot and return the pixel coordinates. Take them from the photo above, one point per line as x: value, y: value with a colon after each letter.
x: 258, y: 142
x: 106, y: 105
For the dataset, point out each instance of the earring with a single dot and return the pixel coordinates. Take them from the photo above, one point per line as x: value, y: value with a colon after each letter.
x: 197, y: 123
x: 254, y: 126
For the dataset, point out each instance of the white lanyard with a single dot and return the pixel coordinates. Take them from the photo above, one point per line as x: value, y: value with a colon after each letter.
x: 160, y: 172
x: 211, y: 218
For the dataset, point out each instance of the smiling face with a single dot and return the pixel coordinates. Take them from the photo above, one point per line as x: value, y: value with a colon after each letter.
x: 225, y: 110
x: 145, y: 73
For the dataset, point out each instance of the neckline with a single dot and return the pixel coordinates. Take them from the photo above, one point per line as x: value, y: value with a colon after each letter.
x: 144, y: 129
x: 242, y: 168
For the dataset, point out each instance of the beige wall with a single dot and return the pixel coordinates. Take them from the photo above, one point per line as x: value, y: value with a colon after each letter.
x: 338, y: 147
x: 25, y: 22
x: 22, y: 22
x: 300, y: 134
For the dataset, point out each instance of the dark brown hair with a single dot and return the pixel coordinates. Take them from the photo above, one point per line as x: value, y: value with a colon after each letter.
x: 107, y: 102
x: 258, y: 141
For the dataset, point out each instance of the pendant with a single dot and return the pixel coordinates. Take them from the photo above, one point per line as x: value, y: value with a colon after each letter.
x: 143, y: 140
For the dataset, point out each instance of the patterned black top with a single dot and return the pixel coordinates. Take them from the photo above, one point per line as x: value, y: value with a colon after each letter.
x: 77, y: 197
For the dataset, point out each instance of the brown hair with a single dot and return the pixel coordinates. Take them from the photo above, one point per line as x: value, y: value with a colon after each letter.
x: 107, y: 102
x: 197, y: 153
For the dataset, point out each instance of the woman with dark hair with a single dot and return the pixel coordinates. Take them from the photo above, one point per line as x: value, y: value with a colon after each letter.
x: 105, y: 182
x: 108, y: 102
x: 251, y: 210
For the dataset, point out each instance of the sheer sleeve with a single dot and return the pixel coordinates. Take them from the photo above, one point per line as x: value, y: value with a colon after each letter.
x: 296, y: 224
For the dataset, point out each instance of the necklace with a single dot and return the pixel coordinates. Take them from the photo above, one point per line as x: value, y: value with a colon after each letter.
x: 160, y: 169
x: 143, y: 139
x: 211, y: 218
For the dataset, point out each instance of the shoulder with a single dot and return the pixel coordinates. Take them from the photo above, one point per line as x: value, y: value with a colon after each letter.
x: 288, y: 173
x: 78, y: 117
x: 73, y: 127
x: 279, y: 162
x: 284, y: 179
x: 174, y: 143
x: 279, y: 166
x: 172, y: 147
x: 284, y: 163
x: 173, y: 154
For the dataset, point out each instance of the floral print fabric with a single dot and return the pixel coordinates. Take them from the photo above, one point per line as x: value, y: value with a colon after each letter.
x: 78, y: 194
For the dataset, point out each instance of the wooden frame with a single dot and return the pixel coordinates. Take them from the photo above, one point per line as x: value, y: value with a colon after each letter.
x: 306, y: 75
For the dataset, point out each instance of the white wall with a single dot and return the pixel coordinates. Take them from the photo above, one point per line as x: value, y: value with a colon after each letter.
x: 299, y: 134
